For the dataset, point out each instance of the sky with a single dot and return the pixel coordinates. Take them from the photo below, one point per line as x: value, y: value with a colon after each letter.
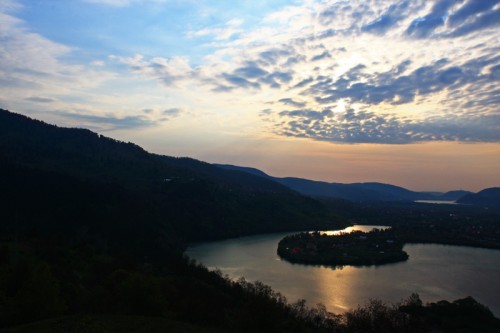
x: 404, y: 92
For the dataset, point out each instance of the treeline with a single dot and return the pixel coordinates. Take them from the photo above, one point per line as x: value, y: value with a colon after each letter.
x: 41, y: 280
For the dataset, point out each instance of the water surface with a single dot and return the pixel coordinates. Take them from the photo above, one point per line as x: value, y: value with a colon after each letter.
x: 438, y: 202
x: 435, y: 272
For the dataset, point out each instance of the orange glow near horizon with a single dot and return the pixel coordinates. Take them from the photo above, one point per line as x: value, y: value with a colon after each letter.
x: 436, y: 166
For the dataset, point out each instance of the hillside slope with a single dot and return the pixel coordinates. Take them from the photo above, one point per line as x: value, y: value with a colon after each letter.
x: 116, y: 191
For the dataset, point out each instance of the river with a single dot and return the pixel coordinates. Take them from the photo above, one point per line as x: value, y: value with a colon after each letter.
x: 433, y: 271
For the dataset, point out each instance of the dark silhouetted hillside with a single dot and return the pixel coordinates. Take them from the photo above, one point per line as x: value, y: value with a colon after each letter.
x: 91, y: 185
x: 453, y: 195
x: 489, y: 197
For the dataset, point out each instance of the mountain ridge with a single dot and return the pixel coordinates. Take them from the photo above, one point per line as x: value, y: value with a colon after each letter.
x: 165, y: 199
x: 361, y: 191
x: 489, y: 197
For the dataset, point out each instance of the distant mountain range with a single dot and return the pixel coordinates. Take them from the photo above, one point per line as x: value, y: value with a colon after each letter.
x: 370, y: 191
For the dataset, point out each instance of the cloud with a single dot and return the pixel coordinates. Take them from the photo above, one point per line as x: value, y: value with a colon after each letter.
x: 470, y: 10
x: 169, y: 71
x: 33, y: 67
x: 10, y: 6
x: 222, y: 32
x: 109, y: 122
x: 274, y: 55
x: 321, y: 56
x: 409, y: 70
x: 388, y: 20
x: 487, y: 20
x: 368, y: 127
x: 290, y: 101
x: 390, y: 87
x: 240, y: 82
x: 172, y: 112
x: 25, y: 53
x: 123, y: 3
x: 425, y: 26
x: 251, y: 71
x: 40, y: 99
x: 455, y: 18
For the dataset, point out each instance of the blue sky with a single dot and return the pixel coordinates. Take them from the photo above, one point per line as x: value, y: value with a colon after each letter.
x: 404, y: 92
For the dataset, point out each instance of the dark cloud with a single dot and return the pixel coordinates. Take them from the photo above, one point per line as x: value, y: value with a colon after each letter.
x: 460, y: 17
x: 251, y: 71
x: 389, y: 19
x: 240, y: 82
x: 368, y: 127
x: 276, y: 79
x: 470, y: 9
x: 425, y: 26
x: 304, y: 82
x: 393, y: 88
x: 290, y: 101
x: 308, y: 115
x: 40, y: 99
x: 172, y: 112
x: 495, y: 73
x: 324, y: 55
x: 327, y: 16
x: 273, y: 56
x: 109, y: 122
x: 484, y: 21
x: 252, y: 76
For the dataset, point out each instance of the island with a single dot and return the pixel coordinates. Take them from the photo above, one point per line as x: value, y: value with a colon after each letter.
x: 355, y: 248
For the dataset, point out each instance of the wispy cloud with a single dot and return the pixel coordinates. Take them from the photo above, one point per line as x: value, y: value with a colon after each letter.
x: 221, y: 32
x: 122, y: 3
x: 168, y: 71
x: 40, y: 99
x: 109, y: 122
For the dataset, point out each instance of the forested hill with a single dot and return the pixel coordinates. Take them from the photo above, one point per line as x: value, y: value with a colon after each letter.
x: 78, y: 183
x: 489, y: 197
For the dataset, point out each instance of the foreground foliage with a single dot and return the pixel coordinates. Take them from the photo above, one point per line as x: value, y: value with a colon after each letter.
x: 74, y: 288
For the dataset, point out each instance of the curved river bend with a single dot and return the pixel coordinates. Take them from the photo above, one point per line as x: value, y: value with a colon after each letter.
x: 435, y: 272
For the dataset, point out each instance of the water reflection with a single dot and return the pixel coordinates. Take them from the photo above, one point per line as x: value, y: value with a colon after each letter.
x: 435, y: 272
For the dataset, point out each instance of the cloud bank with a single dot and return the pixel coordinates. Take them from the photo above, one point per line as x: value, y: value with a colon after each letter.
x: 359, y: 71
